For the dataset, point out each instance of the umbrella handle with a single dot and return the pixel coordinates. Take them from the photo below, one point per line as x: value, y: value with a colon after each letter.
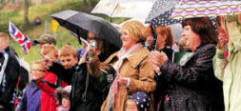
x: 153, y: 44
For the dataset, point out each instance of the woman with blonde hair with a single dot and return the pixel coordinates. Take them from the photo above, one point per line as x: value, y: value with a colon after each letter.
x: 133, y: 71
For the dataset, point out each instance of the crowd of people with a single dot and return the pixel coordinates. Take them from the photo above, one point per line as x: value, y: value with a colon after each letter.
x: 139, y: 76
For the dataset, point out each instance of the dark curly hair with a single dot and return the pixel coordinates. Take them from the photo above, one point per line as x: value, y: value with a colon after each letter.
x: 203, y: 27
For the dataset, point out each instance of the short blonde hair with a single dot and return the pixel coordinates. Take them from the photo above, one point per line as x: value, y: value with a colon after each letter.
x: 135, y: 29
x: 49, y: 48
x: 67, y: 50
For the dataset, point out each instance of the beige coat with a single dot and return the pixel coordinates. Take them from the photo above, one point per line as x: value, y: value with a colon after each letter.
x: 141, y: 74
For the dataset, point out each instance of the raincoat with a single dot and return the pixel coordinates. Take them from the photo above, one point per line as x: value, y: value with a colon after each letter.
x: 139, y: 70
x: 191, y: 85
x: 229, y: 72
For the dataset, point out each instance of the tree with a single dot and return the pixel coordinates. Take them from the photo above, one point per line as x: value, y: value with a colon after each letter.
x: 26, y: 7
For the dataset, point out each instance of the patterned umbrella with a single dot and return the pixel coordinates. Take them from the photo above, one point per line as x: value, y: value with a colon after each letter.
x: 160, y: 16
x: 202, y: 8
x: 161, y: 12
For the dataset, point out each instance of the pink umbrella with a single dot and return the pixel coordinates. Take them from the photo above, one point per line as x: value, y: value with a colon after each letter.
x: 205, y: 8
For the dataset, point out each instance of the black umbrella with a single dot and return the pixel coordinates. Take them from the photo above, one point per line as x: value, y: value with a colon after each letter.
x: 80, y: 23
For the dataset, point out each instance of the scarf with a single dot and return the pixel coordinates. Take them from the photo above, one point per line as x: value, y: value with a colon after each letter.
x: 122, y: 55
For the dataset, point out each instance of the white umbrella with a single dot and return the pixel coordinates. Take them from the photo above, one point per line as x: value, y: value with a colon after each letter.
x: 124, y: 8
x: 137, y: 19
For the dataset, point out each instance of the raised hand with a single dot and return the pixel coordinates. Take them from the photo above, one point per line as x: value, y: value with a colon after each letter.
x: 93, y: 66
x: 223, y: 37
x: 48, y: 62
x: 157, y: 59
x: 124, y: 80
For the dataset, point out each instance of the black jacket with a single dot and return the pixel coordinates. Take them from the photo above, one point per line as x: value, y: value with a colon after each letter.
x: 64, y: 74
x: 158, y: 93
x: 11, y: 74
x: 192, y: 86
x: 88, y: 92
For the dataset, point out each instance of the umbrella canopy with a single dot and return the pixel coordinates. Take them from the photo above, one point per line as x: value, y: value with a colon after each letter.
x: 176, y: 31
x: 124, y: 8
x: 80, y: 23
x: 205, y: 8
x: 160, y: 16
x: 161, y: 12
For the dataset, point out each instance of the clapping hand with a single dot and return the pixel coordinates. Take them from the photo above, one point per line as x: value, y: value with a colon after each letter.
x: 157, y: 59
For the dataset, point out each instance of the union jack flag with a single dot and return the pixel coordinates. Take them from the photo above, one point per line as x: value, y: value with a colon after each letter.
x: 19, y: 37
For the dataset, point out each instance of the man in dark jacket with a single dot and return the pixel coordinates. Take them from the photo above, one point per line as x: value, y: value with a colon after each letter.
x: 9, y: 67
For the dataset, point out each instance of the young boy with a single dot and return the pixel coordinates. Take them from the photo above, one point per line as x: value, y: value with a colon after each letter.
x: 64, y: 98
x: 50, y: 81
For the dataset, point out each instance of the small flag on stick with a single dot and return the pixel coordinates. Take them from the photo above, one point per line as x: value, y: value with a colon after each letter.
x: 19, y: 37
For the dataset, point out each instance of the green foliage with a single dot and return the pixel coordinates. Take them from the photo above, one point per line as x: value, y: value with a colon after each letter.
x: 44, y: 11
x: 63, y: 36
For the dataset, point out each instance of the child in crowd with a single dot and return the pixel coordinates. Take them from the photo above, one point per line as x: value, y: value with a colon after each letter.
x: 50, y: 51
x: 50, y: 81
x: 63, y: 96
x: 140, y: 102
x: 31, y: 97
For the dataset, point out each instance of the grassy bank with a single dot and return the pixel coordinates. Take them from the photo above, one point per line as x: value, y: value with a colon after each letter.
x: 44, y: 11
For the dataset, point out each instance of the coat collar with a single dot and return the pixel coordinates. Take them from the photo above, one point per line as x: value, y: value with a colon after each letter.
x: 135, y: 59
x: 138, y: 56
